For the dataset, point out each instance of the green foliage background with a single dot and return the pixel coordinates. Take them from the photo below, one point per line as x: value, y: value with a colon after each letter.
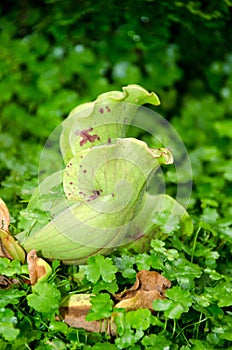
x: 56, y: 54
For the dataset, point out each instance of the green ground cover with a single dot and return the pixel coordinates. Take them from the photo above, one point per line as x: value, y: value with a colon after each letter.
x: 58, y: 54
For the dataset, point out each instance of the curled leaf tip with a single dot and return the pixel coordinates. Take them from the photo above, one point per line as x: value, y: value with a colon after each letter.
x: 119, y: 107
x: 138, y: 95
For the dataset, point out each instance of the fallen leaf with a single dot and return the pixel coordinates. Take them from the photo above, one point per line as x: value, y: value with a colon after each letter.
x: 149, y: 286
x: 74, y: 309
x: 4, y: 216
x: 39, y: 269
x: 6, y: 282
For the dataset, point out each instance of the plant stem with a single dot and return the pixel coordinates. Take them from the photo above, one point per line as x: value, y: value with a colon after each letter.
x: 194, y: 243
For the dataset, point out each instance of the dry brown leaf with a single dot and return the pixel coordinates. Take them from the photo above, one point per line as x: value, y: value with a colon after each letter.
x: 74, y: 310
x: 39, y: 269
x: 149, y: 286
x: 6, y: 282
x: 4, y: 216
